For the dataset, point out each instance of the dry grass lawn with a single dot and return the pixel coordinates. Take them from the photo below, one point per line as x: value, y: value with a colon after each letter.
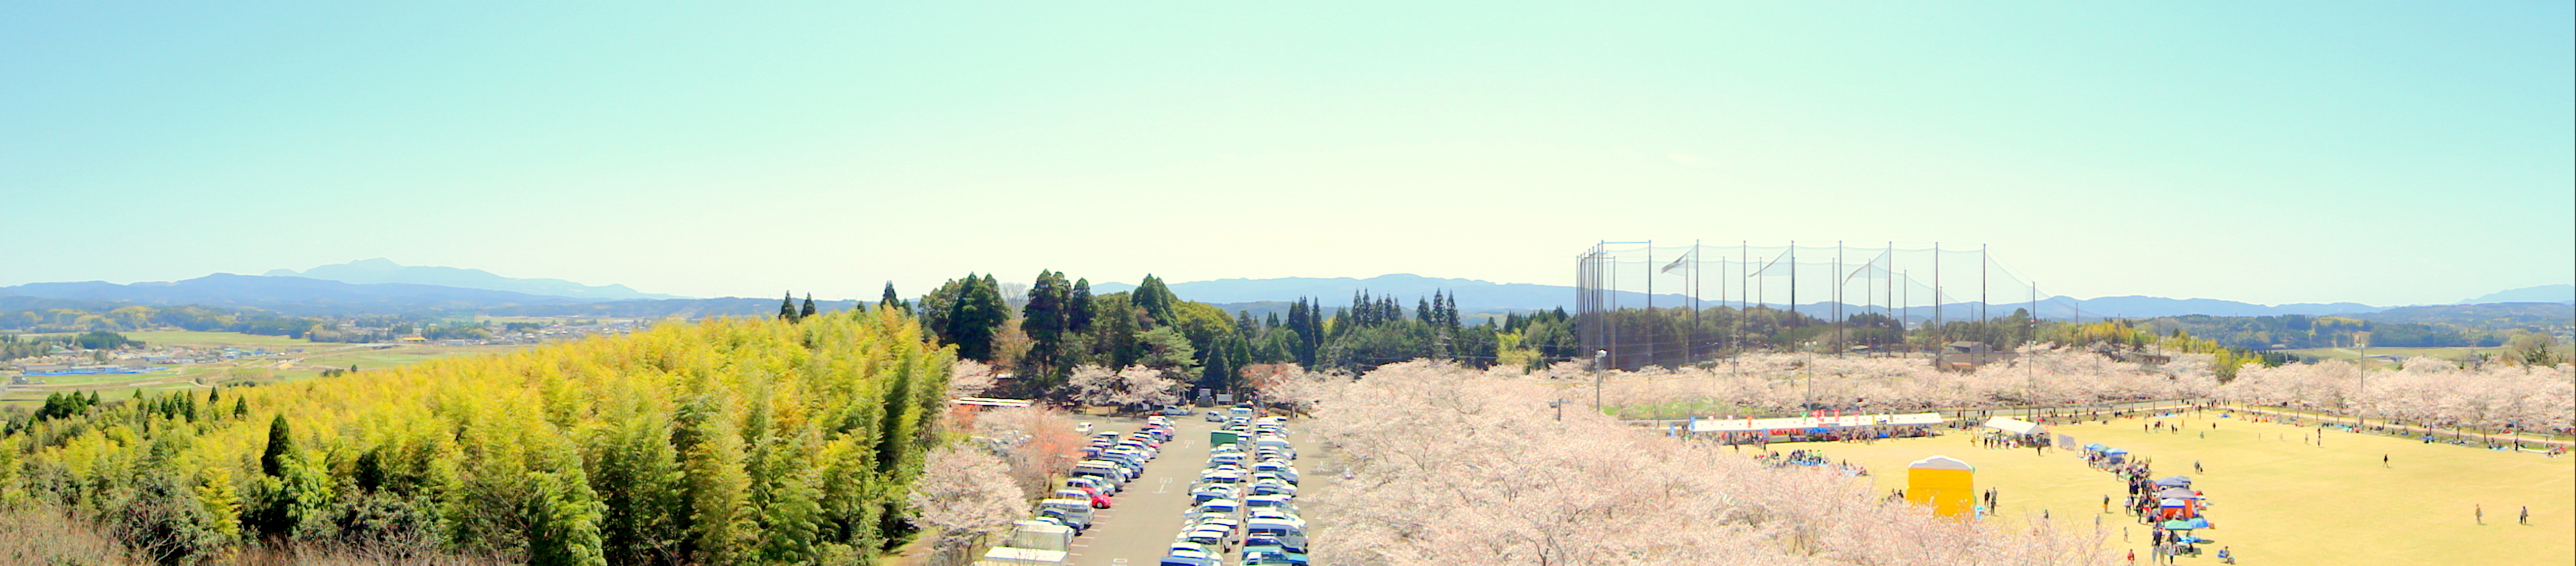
x: 2279, y: 499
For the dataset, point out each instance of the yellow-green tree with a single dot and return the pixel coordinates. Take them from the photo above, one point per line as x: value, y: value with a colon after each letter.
x: 730, y: 441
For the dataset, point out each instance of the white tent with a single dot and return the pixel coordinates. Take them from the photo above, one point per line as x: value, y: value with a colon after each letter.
x: 2015, y: 426
x: 1826, y: 422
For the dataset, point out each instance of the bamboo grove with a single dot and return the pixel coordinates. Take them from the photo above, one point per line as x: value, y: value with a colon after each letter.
x: 725, y: 441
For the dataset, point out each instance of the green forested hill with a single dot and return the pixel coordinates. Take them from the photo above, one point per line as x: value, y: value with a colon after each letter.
x: 727, y: 441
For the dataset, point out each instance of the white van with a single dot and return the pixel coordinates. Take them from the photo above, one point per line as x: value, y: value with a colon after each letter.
x: 1078, y: 509
x: 1292, y: 532
x: 1101, y: 468
x: 1279, y: 443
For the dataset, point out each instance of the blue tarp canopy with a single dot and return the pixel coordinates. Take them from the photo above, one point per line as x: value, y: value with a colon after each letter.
x: 2116, y: 452
x: 2176, y: 481
x: 2096, y: 447
x: 2186, y: 524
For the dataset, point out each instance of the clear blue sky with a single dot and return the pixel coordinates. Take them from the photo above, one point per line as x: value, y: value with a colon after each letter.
x: 2386, y: 153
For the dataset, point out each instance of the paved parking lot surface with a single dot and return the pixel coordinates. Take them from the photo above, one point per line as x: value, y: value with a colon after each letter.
x: 1140, y: 528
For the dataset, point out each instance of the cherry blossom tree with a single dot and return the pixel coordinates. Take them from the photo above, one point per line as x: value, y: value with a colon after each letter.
x: 1446, y: 465
x: 964, y: 493
x: 968, y: 378
x: 1136, y: 385
x: 2423, y: 391
x: 1291, y: 386
x: 1037, y: 443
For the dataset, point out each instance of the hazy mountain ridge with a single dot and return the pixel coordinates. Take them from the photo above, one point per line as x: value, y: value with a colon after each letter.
x: 381, y: 270
x: 284, y: 294
x: 2560, y: 293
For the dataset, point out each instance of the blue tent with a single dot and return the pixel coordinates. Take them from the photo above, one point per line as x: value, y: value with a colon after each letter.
x: 2176, y: 481
x: 2186, y: 524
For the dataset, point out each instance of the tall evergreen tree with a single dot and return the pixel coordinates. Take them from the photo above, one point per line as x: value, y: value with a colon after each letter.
x: 1156, y: 300
x: 1046, y: 321
x: 1078, y: 309
x: 892, y: 300
x: 975, y: 317
x: 281, y: 442
x: 787, y: 308
x: 808, y: 310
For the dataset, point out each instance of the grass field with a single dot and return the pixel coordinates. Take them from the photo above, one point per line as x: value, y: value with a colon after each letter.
x: 2278, y: 499
x: 221, y: 339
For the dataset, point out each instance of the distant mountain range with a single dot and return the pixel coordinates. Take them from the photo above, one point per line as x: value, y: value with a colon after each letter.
x: 381, y: 270
x: 293, y: 295
x: 2560, y: 293
x: 382, y: 286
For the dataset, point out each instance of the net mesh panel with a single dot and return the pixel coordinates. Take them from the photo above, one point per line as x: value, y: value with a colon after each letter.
x: 1878, y: 279
x: 1917, y: 283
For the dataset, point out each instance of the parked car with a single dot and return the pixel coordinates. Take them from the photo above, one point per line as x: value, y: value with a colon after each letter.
x: 1180, y: 557
x: 1176, y: 410
x: 1097, y: 500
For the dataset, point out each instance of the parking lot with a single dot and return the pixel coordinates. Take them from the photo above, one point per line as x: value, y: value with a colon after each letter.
x: 1149, y: 512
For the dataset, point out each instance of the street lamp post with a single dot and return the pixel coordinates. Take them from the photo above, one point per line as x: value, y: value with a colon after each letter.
x: 1598, y: 357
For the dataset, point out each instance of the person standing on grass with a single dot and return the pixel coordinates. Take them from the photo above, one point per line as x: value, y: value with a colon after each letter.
x: 2482, y: 513
x: 2526, y: 515
x: 2383, y: 460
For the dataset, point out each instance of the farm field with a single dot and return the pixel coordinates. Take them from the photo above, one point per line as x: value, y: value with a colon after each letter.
x: 2278, y: 499
x: 297, y: 359
x: 222, y: 339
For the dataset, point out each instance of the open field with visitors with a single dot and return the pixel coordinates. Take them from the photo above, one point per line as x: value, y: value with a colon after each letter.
x: 2277, y: 497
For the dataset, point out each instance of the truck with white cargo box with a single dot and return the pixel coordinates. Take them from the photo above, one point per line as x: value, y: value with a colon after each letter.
x: 1009, y: 556
x: 1041, y: 535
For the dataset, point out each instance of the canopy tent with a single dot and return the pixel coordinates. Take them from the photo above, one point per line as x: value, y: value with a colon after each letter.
x: 2176, y: 481
x: 2115, y: 452
x: 2170, y: 502
x: 2177, y: 493
x: 2015, y: 426
x: 2096, y: 447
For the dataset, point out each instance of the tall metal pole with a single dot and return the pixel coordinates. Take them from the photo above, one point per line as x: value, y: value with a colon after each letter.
x: 1839, y: 338
x: 1650, y: 302
x: 1936, y: 287
x: 1598, y: 356
x: 1692, y: 352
